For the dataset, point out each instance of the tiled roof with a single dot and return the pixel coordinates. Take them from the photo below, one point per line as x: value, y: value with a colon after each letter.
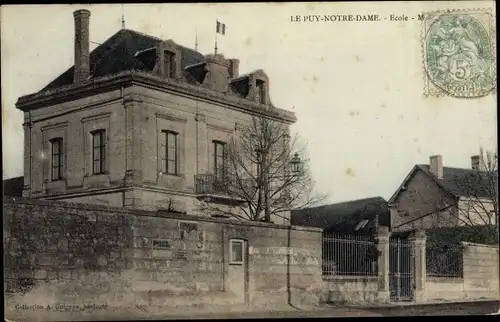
x: 464, y: 182
x: 118, y: 53
x: 13, y: 187
x: 344, y: 216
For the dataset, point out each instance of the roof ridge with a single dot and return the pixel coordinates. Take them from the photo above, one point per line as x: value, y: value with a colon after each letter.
x: 160, y: 39
x: 141, y: 33
x: 449, y: 167
x: 350, y: 201
x: 458, y: 168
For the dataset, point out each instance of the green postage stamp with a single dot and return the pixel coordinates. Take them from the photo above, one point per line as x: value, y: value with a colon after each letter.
x: 459, y: 53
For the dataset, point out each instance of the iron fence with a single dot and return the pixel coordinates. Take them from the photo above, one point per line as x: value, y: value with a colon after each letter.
x: 348, y: 255
x: 444, y: 260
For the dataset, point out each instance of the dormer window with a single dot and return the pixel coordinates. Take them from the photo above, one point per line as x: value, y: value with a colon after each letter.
x: 169, y: 63
x: 260, y: 92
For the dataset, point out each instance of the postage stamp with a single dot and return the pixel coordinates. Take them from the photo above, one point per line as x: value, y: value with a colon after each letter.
x: 458, y: 49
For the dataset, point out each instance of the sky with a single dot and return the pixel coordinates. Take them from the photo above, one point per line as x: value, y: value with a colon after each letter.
x: 355, y: 87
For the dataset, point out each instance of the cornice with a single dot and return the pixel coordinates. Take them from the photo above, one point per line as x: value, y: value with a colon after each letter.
x: 129, y: 78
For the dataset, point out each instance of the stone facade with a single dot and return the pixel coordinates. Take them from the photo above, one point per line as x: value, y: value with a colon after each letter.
x: 201, y: 103
x: 420, y: 198
x: 65, y: 253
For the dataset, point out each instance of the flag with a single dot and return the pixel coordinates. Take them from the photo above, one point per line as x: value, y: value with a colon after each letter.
x: 221, y: 28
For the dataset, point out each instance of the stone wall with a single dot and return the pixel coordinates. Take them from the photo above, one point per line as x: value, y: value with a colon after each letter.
x: 444, y: 288
x: 480, y: 271
x: 480, y: 277
x: 347, y: 289
x: 69, y: 253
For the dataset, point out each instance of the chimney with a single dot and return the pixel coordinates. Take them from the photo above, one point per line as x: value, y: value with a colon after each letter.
x: 218, y: 71
x: 234, y: 68
x: 436, y: 166
x: 477, y: 163
x: 82, y: 59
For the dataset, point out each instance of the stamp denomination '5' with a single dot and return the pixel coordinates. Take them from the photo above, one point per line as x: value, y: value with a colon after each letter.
x: 459, y: 54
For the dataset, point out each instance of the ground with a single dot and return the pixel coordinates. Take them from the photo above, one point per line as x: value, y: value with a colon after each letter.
x: 464, y: 308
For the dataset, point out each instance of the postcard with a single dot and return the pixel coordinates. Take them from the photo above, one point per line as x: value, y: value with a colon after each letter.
x: 217, y: 160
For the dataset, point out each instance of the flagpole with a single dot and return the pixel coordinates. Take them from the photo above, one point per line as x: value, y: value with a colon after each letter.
x: 123, y: 19
x: 216, y: 25
x: 196, y: 40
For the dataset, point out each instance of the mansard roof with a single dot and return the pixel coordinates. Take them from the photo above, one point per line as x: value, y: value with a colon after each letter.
x: 132, y: 57
x: 125, y: 50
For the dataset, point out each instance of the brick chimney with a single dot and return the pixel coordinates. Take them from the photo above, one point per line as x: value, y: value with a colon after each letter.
x: 477, y: 163
x: 82, y: 53
x: 436, y: 166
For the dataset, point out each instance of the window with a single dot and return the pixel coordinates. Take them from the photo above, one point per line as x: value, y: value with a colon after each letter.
x: 98, y: 152
x: 169, y: 63
x: 169, y: 160
x: 57, y: 159
x: 236, y: 249
x: 161, y: 244
x: 219, y: 159
x: 260, y: 96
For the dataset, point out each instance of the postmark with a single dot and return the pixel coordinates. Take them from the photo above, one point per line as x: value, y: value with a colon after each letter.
x: 458, y: 50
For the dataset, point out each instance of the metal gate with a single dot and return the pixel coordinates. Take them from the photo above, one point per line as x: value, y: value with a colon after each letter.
x: 401, y: 269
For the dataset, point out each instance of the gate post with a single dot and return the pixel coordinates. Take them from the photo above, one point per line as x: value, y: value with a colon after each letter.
x: 418, y: 243
x: 382, y: 242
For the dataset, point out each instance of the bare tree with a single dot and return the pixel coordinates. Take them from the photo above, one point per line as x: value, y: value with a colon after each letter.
x: 478, y: 208
x: 266, y: 171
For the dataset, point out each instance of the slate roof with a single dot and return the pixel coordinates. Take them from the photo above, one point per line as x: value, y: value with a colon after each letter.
x: 344, y: 216
x: 13, y: 187
x: 463, y: 182
x: 118, y: 53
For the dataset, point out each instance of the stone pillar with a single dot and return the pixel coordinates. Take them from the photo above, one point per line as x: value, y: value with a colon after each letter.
x: 134, y: 130
x: 418, y: 243
x: 382, y: 244
x: 28, y: 157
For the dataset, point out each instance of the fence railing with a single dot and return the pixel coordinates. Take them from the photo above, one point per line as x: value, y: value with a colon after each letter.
x: 211, y: 184
x: 347, y: 255
x: 444, y: 260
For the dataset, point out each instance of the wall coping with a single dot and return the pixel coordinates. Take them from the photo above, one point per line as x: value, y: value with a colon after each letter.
x: 149, y: 213
x: 444, y: 279
x: 349, y: 278
x: 479, y: 245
